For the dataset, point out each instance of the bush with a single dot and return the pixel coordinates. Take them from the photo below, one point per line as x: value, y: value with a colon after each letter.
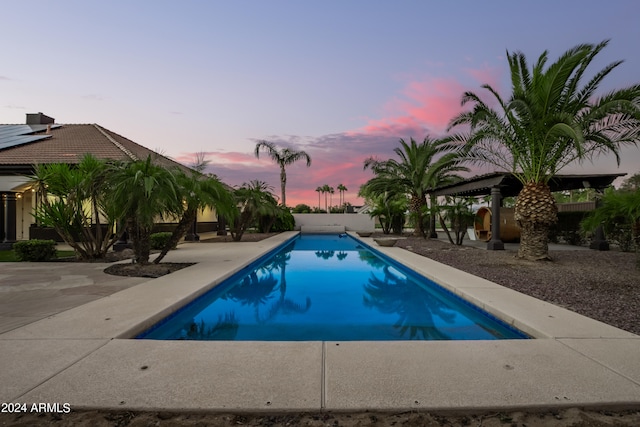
x: 35, y: 250
x: 160, y: 240
x: 284, y: 222
x: 568, y: 228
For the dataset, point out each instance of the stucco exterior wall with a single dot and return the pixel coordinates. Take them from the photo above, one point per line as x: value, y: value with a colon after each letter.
x: 351, y: 222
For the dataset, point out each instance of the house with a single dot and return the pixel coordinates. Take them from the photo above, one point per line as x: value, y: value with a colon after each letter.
x: 41, y: 141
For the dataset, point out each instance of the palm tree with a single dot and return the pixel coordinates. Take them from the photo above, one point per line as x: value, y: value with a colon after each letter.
x: 143, y: 191
x: 319, y: 190
x: 419, y: 170
x: 196, y: 191
x: 326, y: 189
x: 332, y: 191
x: 549, y: 121
x: 342, y: 189
x: 283, y: 158
x: 252, y: 200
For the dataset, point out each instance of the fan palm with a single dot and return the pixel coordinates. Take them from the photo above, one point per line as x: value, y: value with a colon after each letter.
x: 549, y: 121
x: 283, y: 157
x: 421, y: 167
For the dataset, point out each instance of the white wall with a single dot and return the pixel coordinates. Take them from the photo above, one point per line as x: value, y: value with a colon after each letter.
x: 351, y: 222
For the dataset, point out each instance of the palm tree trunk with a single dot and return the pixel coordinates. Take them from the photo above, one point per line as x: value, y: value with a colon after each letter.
x: 535, y: 212
x: 181, y: 229
x: 283, y: 184
x: 417, y: 209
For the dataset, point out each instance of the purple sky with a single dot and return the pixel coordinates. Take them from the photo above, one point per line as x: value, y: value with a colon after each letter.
x: 341, y: 80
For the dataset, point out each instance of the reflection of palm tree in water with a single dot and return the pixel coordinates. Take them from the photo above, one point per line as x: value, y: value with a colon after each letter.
x: 253, y: 290
x: 226, y: 328
x: 257, y: 291
x: 371, y: 259
x: 325, y: 254
x: 283, y: 305
x: 413, y: 305
x: 341, y: 255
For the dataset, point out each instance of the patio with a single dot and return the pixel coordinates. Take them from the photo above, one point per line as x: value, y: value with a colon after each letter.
x: 83, y: 355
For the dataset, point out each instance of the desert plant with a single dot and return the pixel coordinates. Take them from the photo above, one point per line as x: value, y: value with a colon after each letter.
x: 549, y: 121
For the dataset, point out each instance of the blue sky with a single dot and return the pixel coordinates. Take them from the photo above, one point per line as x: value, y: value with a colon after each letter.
x: 343, y: 80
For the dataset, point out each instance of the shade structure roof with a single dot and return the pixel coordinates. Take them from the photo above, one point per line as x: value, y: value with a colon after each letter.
x: 509, y: 186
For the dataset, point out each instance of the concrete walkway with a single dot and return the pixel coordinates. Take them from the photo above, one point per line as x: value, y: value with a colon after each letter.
x: 84, y: 355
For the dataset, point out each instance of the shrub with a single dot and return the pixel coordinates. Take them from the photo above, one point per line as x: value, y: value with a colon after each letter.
x: 568, y: 228
x: 159, y: 240
x: 284, y: 222
x: 35, y: 250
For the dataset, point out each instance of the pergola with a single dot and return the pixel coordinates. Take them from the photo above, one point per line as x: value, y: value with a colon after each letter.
x: 504, y: 184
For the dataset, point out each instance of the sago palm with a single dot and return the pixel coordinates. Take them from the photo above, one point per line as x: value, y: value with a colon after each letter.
x: 283, y: 157
x: 421, y: 167
x: 550, y: 120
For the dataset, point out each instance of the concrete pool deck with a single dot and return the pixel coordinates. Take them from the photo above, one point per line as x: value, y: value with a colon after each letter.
x: 83, y: 355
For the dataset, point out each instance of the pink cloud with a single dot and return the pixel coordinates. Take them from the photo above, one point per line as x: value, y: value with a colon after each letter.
x: 425, y: 105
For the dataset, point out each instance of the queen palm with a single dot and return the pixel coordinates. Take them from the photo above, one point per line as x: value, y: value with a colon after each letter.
x: 549, y: 121
x: 283, y: 157
x: 421, y: 167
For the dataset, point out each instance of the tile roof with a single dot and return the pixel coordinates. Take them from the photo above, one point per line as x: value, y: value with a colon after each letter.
x: 69, y: 143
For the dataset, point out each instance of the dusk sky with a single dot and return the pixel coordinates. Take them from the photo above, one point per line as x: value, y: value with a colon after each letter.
x: 342, y: 80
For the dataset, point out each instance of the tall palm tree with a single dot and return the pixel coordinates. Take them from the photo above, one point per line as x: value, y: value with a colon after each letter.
x: 319, y: 190
x: 283, y: 157
x: 421, y: 167
x: 326, y: 189
x: 549, y: 121
x: 332, y: 191
x: 342, y: 189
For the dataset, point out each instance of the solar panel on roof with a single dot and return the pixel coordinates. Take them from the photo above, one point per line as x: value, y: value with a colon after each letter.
x: 13, y: 135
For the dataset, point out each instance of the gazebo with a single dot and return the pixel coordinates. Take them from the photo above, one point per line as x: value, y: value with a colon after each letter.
x: 505, y: 184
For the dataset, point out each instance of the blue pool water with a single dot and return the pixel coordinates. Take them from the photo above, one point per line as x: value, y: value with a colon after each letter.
x: 329, y: 288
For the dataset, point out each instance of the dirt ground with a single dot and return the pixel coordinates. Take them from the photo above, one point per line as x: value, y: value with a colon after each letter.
x: 562, y: 418
x: 602, y: 285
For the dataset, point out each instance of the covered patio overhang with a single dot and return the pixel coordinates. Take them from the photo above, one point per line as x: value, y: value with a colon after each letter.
x: 505, y: 184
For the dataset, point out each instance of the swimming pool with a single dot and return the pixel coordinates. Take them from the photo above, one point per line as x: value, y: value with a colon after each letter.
x: 329, y: 288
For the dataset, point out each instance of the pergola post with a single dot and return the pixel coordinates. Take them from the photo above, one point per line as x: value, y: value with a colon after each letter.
x: 495, y: 244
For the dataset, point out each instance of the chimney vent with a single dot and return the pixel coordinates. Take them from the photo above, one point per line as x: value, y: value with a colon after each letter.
x: 39, y: 119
